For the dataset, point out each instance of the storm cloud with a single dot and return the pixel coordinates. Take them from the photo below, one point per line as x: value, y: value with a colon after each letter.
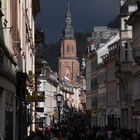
x: 85, y: 15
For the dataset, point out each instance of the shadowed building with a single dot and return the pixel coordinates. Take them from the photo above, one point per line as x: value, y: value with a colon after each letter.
x: 134, y: 21
x: 124, y: 65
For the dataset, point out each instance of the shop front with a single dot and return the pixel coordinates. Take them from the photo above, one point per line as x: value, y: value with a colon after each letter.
x: 136, y: 115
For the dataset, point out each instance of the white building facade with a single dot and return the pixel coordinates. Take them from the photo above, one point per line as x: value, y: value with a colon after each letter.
x: 16, y: 55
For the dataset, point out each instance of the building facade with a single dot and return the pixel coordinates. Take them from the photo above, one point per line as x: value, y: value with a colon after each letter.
x: 106, y: 83
x: 112, y: 86
x: 7, y: 73
x: 17, y: 56
x: 47, y: 84
x: 102, y: 95
x: 135, y: 23
x: 124, y: 65
x: 96, y: 93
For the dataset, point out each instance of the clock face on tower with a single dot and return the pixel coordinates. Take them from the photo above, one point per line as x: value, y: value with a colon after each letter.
x: 68, y: 20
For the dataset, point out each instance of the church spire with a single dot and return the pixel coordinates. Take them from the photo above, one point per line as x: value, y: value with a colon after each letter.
x: 68, y: 10
x: 68, y: 31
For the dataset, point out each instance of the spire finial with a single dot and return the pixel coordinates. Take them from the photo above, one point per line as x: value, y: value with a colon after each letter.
x: 68, y: 10
x: 68, y: 4
x: 68, y: 32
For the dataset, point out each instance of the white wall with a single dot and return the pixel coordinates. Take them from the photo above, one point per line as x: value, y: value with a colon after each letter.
x: 104, y: 49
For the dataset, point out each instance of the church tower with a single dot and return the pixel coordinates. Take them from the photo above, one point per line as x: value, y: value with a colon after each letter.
x: 68, y: 61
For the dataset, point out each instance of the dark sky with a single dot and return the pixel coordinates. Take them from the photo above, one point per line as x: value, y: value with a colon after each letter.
x: 85, y: 15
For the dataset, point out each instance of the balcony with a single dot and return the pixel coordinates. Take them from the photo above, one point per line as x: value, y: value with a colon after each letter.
x: 124, y: 67
x: 123, y: 70
x: 136, y: 55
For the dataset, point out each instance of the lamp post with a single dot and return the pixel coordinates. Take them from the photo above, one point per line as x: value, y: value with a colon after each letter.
x: 132, y: 112
x: 59, y: 98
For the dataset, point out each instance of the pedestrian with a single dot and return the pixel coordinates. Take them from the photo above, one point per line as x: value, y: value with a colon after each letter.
x: 38, y: 135
x: 117, y: 135
x: 63, y: 136
x: 99, y: 135
x: 32, y: 134
x: 134, y: 135
x: 109, y: 133
x: 54, y: 136
x: 89, y: 135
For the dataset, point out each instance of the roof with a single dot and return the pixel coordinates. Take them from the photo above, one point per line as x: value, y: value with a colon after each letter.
x: 134, y: 18
x: 124, y: 10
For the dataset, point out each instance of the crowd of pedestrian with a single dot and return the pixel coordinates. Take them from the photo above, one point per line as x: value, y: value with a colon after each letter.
x: 75, y: 132
x: 75, y: 128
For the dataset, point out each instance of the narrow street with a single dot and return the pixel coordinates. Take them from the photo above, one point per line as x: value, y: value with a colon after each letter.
x: 70, y: 70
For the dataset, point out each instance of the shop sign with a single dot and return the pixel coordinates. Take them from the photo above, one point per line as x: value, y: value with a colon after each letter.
x: 35, y: 98
x: 39, y: 109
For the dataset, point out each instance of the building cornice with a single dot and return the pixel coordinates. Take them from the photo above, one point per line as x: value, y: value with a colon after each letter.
x: 134, y: 18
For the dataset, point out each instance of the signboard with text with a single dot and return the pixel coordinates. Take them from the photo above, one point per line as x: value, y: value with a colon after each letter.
x: 35, y: 98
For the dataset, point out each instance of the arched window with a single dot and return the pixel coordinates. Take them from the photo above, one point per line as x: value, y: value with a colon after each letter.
x: 68, y: 49
x: 67, y: 72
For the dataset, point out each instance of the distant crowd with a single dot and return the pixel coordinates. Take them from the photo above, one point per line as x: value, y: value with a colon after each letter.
x: 74, y: 127
x: 75, y: 132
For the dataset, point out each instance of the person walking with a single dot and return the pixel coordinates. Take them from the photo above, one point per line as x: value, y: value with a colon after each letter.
x: 134, y: 135
x: 54, y: 135
x: 38, y: 135
x: 118, y: 135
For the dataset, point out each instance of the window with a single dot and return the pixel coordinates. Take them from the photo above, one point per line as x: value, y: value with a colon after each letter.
x: 72, y: 48
x: 126, y: 51
x: 94, y: 65
x: 67, y: 73
x: 101, y: 34
x: 125, y: 24
x: 94, y: 84
x: 68, y: 48
x: 95, y: 34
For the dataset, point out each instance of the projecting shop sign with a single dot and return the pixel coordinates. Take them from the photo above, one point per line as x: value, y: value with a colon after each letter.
x: 35, y: 98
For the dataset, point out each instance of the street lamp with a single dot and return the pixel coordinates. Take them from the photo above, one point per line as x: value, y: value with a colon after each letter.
x: 59, y: 98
